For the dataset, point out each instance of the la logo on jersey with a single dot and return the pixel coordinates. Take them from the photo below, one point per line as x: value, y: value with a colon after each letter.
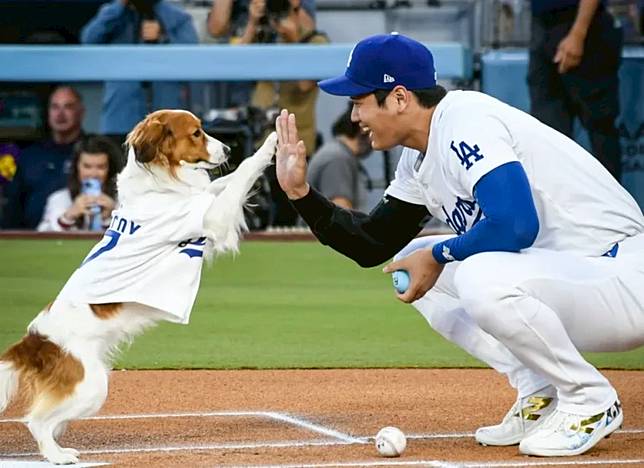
x: 463, y: 216
x: 466, y: 154
x: 388, y: 78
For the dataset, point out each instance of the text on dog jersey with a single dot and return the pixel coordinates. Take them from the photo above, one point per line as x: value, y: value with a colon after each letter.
x: 117, y: 226
x: 121, y: 225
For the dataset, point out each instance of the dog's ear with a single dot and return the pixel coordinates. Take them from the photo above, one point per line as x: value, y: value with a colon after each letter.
x: 147, y: 138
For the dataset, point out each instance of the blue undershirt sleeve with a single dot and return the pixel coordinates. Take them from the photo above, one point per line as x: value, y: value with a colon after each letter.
x: 510, y: 224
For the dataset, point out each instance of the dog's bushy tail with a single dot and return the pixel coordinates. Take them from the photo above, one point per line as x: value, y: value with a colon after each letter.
x: 8, y: 383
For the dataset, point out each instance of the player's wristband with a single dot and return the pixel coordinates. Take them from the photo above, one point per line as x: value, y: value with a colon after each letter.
x: 441, y: 253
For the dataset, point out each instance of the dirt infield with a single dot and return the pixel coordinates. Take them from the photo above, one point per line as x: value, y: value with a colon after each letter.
x: 311, y: 417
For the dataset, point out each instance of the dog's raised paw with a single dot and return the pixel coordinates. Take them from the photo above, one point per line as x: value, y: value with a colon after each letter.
x: 267, y: 151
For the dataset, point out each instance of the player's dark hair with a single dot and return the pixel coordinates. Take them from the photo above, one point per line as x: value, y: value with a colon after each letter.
x: 344, y: 126
x: 427, y: 97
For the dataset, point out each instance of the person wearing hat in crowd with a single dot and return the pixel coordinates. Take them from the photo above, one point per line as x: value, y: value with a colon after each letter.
x: 545, y: 260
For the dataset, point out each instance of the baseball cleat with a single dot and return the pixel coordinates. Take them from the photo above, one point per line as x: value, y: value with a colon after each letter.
x: 524, y: 417
x: 565, y: 434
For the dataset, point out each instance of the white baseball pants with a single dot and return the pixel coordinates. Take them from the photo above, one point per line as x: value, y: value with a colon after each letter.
x: 529, y: 314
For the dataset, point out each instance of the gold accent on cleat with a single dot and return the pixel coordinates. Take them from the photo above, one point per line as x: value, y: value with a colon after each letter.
x: 536, y: 403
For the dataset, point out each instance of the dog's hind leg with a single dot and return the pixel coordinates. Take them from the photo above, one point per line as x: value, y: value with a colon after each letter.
x: 47, y: 421
x: 59, y: 431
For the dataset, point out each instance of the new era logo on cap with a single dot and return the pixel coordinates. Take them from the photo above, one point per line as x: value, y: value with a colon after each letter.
x: 384, y: 61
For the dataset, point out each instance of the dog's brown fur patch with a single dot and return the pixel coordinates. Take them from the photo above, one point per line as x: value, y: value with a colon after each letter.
x: 45, y: 369
x: 48, y: 307
x: 106, y: 311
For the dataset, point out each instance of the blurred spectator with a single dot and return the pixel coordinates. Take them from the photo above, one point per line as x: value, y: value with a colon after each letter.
x: 43, y: 167
x: 246, y: 22
x: 575, y: 52
x: 335, y: 169
x: 95, y: 157
x: 136, y: 22
x: 299, y: 97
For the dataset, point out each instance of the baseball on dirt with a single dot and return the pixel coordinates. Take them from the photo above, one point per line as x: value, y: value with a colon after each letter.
x: 401, y: 280
x: 390, y: 442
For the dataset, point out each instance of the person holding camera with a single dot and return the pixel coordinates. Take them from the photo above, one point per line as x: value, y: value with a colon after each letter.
x: 138, y: 22
x: 245, y: 21
x: 300, y: 97
x: 90, y: 196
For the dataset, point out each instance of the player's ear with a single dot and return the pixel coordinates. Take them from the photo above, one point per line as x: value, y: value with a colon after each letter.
x: 401, y: 96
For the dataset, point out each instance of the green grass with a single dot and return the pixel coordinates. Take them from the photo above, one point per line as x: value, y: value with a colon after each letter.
x: 276, y: 305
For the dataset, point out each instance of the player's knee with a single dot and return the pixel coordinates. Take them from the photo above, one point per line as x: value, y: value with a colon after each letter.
x: 480, y: 289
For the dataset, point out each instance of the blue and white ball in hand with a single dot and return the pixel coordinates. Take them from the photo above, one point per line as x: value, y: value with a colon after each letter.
x: 401, y: 280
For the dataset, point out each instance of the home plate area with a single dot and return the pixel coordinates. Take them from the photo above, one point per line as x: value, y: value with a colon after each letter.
x: 308, y: 418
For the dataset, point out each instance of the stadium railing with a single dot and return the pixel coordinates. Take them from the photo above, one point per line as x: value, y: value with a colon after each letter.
x: 199, y: 62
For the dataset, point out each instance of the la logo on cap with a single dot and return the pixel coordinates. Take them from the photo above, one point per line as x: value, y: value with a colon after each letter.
x: 388, y: 79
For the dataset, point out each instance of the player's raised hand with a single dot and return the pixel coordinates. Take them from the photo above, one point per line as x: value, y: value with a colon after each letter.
x: 290, y: 160
x: 423, y: 271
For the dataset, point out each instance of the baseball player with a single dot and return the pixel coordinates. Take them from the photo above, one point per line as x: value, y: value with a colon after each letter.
x: 546, y: 260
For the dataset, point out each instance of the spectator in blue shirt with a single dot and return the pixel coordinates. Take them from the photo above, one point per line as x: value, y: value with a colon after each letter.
x: 135, y: 22
x: 44, y: 166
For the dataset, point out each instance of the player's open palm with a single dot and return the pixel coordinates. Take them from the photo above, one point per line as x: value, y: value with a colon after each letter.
x: 291, y: 157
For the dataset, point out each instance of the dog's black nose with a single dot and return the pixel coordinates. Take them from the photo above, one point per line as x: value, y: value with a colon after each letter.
x: 227, y: 150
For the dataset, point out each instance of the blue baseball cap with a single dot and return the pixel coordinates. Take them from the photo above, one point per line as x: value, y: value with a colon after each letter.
x: 384, y: 61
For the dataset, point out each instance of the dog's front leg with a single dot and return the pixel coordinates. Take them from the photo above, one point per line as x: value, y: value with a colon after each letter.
x: 248, y: 171
x: 225, y: 217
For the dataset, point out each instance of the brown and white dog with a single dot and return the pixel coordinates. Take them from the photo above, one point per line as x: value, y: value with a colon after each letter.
x: 170, y: 217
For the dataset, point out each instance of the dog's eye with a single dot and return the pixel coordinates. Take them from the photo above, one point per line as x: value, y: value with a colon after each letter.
x: 197, y: 133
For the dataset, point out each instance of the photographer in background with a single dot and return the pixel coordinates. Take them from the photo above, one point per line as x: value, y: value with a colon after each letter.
x: 246, y: 22
x: 138, y: 22
x: 300, y: 97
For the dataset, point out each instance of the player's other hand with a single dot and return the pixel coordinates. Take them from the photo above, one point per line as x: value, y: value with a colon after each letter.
x: 423, y: 271
x: 290, y: 160
x: 569, y: 52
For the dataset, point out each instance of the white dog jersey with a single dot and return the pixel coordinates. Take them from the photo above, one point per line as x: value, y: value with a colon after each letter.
x: 151, y: 253
x: 580, y: 209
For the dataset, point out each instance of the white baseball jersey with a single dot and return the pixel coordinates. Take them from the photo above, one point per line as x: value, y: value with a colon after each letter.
x: 152, y: 253
x: 581, y: 208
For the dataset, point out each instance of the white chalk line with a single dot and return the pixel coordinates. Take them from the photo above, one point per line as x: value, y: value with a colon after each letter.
x: 341, y: 439
x: 181, y: 448
x: 283, y: 417
x: 458, y: 464
x: 314, y: 427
